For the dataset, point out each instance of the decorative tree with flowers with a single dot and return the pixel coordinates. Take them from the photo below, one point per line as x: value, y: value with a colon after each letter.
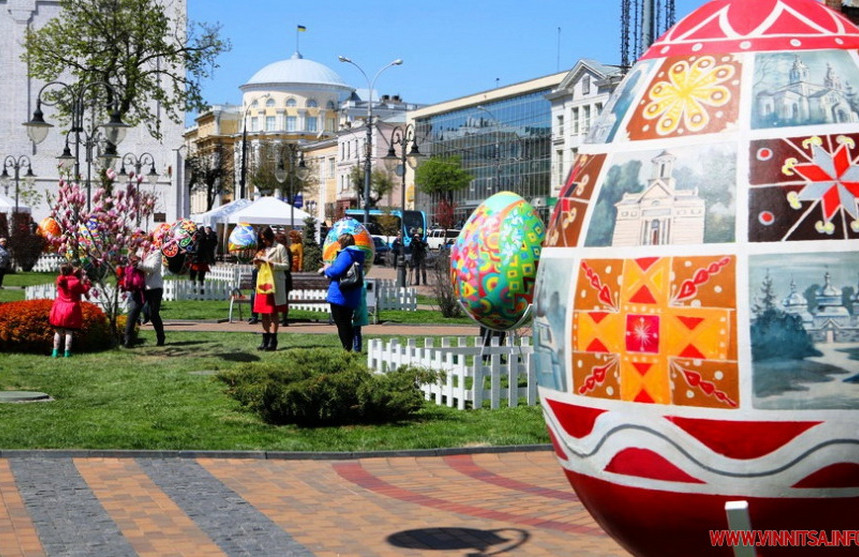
x: 100, y: 240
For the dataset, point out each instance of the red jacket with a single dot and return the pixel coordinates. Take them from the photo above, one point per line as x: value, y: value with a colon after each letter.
x: 66, y: 311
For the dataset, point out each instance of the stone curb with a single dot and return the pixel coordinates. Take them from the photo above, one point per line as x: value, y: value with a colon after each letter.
x: 265, y: 455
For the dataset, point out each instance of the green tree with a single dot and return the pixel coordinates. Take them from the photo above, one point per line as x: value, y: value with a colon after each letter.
x: 212, y: 173
x: 441, y: 176
x: 380, y: 184
x: 312, y: 249
x: 154, y: 65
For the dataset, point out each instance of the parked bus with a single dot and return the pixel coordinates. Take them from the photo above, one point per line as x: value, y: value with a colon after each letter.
x: 414, y: 219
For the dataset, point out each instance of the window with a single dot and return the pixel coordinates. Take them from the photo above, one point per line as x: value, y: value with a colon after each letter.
x: 331, y: 166
x: 291, y: 123
x: 330, y: 105
x: 329, y: 124
x: 270, y: 125
x: 269, y: 102
x: 311, y: 103
x: 559, y: 157
x: 290, y: 102
x: 254, y: 124
x: 310, y: 123
x: 560, y: 124
x: 576, y: 121
x: 255, y: 103
x: 586, y: 119
x: 586, y: 85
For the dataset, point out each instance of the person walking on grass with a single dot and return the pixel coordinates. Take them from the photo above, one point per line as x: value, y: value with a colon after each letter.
x: 343, y: 301
x: 66, y: 315
x: 271, y: 261
x: 153, y: 292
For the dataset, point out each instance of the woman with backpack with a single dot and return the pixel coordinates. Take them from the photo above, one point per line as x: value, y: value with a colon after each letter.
x: 342, y: 298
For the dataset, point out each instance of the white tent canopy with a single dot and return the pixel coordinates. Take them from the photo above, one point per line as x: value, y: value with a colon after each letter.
x: 7, y: 205
x: 269, y: 210
x: 219, y: 215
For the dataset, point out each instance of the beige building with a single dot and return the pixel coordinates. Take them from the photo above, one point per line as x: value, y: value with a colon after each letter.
x: 576, y: 103
x: 294, y: 101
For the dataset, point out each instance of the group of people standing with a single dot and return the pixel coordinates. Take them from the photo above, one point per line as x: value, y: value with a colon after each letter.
x: 418, y: 250
x: 278, y: 255
x: 274, y: 263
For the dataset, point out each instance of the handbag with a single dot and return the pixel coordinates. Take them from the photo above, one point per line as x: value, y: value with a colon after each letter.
x: 265, y: 280
x: 354, y: 277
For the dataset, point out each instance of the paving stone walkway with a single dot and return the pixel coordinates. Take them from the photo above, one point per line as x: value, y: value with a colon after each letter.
x: 516, y: 503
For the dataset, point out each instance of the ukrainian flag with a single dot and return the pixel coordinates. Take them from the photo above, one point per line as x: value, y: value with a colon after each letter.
x: 302, y: 28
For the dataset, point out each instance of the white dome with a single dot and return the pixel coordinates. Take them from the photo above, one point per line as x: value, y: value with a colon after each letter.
x: 297, y: 70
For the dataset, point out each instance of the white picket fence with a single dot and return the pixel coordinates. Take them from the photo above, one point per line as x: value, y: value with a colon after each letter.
x: 48, y: 263
x: 472, y: 373
x: 96, y: 296
x: 222, y: 279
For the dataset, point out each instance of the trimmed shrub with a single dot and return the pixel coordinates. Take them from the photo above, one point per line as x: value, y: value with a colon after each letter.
x: 318, y: 386
x: 24, y: 327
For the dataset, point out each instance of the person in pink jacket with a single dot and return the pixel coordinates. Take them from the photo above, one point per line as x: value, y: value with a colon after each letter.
x: 66, y: 315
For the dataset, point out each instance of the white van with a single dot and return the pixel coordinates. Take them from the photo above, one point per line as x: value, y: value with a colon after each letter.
x: 440, y: 237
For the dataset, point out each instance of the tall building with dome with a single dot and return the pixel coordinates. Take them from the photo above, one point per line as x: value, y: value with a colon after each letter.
x: 304, y: 103
x: 291, y: 101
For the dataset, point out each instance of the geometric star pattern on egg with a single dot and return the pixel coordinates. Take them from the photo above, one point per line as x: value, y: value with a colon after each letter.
x: 652, y: 328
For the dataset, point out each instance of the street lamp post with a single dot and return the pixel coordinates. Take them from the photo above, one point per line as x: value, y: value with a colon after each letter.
x: 368, y: 150
x: 244, y: 170
x: 113, y: 131
x: 402, y: 137
x: 137, y: 163
x: 16, y: 165
x: 298, y: 170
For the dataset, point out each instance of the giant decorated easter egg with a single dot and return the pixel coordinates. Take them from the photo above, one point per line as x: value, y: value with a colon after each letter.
x: 159, y: 234
x: 494, y: 259
x: 243, y: 242
x: 363, y: 240
x: 696, y: 323
x: 50, y: 230
x: 179, y: 239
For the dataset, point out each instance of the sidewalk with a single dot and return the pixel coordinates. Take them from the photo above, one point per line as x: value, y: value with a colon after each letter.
x: 455, y: 504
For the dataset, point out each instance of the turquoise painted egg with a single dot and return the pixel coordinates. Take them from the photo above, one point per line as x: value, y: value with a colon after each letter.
x: 363, y: 240
x: 493, y: 262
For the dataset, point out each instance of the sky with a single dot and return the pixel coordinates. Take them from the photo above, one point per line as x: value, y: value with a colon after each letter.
x: 449, y: 48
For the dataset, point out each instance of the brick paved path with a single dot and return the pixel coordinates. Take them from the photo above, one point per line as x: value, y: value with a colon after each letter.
x: 465, y: 504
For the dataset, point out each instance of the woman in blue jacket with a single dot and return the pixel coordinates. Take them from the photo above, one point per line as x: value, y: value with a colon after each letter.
x: 343, y: 301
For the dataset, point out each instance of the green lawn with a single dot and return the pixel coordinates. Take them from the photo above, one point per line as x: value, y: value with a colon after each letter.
x: 167, y: 398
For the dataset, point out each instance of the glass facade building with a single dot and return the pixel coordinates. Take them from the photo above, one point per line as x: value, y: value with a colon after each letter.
x: 504, y: 144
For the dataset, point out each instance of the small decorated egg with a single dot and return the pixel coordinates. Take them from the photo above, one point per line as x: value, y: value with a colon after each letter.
x: 494, y: 261
x: 363, y: 240
x: 242, y: 242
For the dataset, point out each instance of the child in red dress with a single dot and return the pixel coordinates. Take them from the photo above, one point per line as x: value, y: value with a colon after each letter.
x: 66, y: 316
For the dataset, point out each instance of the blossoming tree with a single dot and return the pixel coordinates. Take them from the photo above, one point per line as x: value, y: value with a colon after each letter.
x: 101, y: 239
